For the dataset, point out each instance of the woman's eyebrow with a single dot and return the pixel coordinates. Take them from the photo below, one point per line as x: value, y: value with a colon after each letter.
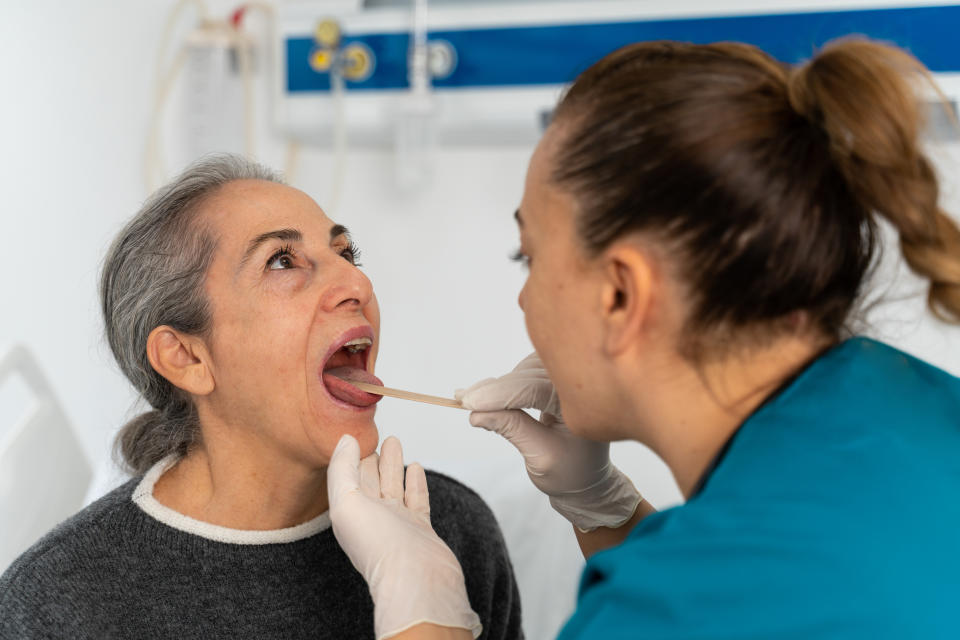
x: 288, y: 235
x: 338, y: 230
x: 516, y: 216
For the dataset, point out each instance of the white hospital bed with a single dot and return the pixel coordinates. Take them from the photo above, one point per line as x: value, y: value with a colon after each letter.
x: 44, y: 473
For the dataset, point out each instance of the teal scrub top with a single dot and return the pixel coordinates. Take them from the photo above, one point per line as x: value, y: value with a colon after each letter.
x: 833, y: 513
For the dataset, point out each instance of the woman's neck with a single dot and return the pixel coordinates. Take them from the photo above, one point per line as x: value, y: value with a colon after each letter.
x: 243, y: 489
x: 696, y: 409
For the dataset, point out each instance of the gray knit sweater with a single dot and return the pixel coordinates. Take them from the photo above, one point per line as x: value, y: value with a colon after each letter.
x: 113, y: 571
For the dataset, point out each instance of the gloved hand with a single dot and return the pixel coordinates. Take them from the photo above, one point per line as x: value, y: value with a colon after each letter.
x: 385, y: 530
x: 583, y: 485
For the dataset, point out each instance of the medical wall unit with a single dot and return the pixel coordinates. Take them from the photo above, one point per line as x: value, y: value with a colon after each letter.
x: 490, y: 72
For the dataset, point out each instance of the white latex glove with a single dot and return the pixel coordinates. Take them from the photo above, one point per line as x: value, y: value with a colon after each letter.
x: 385, y: 530
x: 583, y: 485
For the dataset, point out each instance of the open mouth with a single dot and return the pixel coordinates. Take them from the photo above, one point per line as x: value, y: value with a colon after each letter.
x: 349, y: 363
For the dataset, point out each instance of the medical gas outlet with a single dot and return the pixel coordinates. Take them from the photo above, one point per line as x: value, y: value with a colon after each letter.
x: 355, y: 61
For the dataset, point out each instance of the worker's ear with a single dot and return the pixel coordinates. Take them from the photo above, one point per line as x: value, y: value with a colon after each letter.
x: 627, y: 292
x: 182, y: 359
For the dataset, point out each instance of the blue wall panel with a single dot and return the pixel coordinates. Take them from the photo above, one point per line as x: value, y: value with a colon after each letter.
x: 549, y: 55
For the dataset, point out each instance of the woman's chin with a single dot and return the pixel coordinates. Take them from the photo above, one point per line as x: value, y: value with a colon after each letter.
x: 368, y: 438
x: 331, y: 422
x: 366, y: 434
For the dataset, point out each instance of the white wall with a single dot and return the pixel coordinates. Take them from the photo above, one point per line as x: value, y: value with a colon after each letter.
x: 72, y: 124
x: 72, y: 120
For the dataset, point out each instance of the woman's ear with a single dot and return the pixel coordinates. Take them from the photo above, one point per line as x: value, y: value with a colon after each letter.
x: 181, y: 359
x: 627, y: 294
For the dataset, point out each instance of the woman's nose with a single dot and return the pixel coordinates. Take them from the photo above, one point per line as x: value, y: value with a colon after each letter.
x: 347, y: 287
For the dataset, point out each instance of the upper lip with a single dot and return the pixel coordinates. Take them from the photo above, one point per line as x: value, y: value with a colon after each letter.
x: 362, y: 331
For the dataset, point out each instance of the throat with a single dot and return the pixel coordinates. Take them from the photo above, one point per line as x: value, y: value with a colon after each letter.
x: 695, y: 410
x: 242, y: 492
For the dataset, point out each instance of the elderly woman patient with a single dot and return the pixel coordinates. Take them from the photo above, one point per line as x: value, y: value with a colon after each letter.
x: 226, y: 299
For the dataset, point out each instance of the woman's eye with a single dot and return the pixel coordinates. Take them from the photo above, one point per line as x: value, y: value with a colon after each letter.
x: 351, y: 254
x: 282, y: 259
x: 521, y: 257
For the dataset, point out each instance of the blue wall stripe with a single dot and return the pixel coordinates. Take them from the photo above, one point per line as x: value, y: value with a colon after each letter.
x: 549, y: 55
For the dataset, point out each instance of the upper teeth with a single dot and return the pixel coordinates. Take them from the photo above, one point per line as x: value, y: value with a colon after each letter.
x: 358, y: 344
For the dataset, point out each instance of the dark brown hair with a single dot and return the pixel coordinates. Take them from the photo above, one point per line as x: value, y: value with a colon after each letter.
x: 762, y: 178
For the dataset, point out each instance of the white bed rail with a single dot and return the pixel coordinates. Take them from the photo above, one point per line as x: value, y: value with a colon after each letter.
x: 44, y: 473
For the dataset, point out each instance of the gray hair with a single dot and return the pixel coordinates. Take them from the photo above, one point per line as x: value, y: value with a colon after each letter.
x: 154, y: 275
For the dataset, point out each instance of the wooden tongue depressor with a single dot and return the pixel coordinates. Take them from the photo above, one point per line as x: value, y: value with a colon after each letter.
x: 406, y: 395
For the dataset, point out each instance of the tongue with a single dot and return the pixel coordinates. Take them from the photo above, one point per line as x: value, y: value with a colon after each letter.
x: 338, y: 384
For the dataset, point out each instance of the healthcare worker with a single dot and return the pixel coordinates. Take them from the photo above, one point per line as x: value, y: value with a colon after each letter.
x: 699, y: 223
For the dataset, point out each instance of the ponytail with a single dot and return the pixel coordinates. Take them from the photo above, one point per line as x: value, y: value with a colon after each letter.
x: 862, y: 94
x: 766, y: 181
x: 154, y: 435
